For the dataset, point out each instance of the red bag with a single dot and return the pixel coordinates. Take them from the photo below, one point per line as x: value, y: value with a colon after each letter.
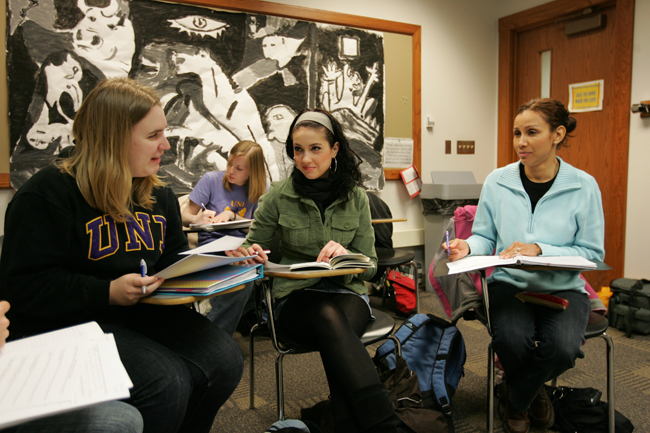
x: 404, y: 291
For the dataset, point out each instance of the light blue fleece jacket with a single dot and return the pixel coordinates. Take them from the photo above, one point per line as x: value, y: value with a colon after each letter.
x: 568, y: 221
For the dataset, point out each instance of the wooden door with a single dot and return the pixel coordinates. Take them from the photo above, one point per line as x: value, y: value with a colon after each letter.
x: 600, y: 142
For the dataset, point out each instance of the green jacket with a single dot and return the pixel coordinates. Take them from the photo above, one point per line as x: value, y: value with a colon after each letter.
x: 303, y: 234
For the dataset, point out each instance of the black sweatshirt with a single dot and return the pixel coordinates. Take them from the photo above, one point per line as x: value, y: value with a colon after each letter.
x: 59, y: 254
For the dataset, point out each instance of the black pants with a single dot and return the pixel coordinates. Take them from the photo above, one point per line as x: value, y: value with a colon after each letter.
x: 332, y: 323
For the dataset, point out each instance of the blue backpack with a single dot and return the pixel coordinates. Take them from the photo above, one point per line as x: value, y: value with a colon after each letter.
x: 435, y: 350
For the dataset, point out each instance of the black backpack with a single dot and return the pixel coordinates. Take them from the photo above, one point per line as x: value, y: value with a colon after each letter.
x: 580, y: 410
x: 629, y: 306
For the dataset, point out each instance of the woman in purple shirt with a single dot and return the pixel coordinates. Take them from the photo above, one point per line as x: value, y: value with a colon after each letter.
x: 225, y: 196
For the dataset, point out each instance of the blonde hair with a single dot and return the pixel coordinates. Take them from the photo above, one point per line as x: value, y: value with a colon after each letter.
x: 254, y: 156
x: 100, y: 161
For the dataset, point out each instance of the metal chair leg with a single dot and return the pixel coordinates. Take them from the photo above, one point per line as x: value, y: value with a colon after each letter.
x: 611, y: 403
x: 279, y: 386
x: 252, y: 367
x: 490, y: 390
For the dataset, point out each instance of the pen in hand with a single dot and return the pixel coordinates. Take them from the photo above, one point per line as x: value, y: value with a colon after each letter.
x: 143, y: 272
x: 205, y: 209
x: 447, y: 239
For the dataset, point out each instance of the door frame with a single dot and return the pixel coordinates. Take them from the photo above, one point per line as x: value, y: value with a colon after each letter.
x: 620, y: 90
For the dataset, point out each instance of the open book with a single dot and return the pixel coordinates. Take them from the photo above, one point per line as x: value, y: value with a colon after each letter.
x: 474, y: 263
x: 228, y: 225
x: 208, y: 282
x: 59, y: 371
x: 343, y: 261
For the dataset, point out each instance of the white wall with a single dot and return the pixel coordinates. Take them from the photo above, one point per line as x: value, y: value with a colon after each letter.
x: 637, y: 241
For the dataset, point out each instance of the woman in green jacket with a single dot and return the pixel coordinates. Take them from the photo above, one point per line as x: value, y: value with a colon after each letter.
x: 321, y: 212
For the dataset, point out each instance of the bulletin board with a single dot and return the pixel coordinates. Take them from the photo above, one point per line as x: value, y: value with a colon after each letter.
x: 401, y: 56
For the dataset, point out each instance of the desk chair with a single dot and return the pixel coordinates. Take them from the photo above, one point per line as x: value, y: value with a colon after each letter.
x: 379, y: 329
x: 389, y: 258
x: 596, y: 327
x: 472, y: 302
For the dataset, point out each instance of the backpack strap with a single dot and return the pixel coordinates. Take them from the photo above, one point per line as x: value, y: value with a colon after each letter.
x: 440, y: 373
x: 439, y: 369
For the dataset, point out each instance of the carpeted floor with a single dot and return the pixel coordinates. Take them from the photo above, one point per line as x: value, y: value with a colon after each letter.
x: 305, y: 384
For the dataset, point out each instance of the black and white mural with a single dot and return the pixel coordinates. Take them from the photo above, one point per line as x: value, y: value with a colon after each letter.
x: 222, y: 77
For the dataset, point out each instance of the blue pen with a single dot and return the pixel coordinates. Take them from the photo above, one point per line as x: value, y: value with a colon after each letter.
x: 447, y: 238
x: 143, y: 272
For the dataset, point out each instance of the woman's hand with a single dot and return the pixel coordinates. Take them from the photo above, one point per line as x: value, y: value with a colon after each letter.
x: 332, y: 249
x: 205, y: 217
x: 4, y: 322
x: 127, y: 290
x: 520, y: 249
x: 224, y: 216
x: 458, y: 248
x: 259, y: 256
x: 195, y: 214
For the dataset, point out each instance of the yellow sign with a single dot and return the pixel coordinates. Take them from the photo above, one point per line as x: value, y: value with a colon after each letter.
x: 586, y: 96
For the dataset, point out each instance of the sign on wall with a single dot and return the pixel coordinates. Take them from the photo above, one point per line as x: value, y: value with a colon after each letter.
x: 587, y: 96
x: 222, y: 77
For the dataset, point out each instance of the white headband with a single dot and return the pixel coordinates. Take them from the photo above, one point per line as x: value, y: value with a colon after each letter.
x: 318, y: 117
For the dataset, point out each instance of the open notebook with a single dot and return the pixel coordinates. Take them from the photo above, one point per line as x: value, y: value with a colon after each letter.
x: 474, y: 263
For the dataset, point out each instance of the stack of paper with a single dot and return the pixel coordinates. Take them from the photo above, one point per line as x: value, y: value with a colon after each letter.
x: 59, y: 371
x: 208, y: 282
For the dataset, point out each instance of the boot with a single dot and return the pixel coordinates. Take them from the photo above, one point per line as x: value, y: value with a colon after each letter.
x: 541, y: 410
x: 514, y: 421
x: 373, y: 410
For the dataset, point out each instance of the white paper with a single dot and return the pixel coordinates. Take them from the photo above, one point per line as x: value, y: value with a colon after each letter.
x: 474, y: 263
x: 225, y: 243
x: 196, y: 263
x: 398, y: 152
x: 59, y: 371
x: 410, y: 174
x: 414, y: 187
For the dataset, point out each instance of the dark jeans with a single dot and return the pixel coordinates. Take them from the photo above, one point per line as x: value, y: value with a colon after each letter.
x: 183, y: 367
x: 535, y: 343
x: 227, y: 309
x: 109, y: 417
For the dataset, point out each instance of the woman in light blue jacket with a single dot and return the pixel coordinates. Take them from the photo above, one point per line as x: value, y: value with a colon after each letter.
x: 538, y: 206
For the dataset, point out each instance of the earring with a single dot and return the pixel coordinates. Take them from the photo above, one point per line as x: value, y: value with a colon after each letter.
x: 336, y: 165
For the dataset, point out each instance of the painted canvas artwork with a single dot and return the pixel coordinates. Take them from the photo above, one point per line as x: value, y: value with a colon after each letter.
x: 222, y: 77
